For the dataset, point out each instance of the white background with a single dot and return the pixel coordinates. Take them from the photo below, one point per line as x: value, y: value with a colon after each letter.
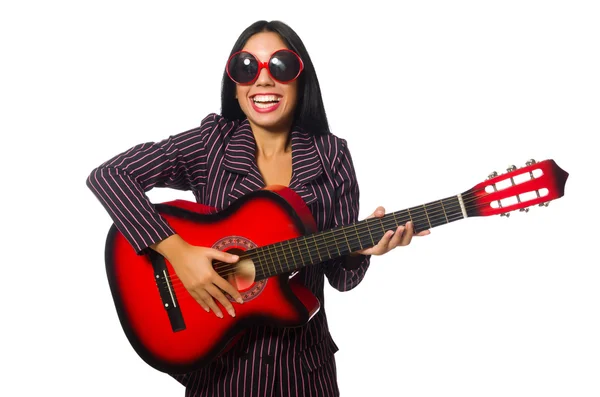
x: 432, y: 96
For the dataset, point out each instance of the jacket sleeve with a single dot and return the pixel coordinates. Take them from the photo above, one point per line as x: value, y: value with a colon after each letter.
x: 121, y: 183
x: 345, y: 273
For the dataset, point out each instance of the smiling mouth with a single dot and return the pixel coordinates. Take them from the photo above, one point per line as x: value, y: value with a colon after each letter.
x: 265, y: 101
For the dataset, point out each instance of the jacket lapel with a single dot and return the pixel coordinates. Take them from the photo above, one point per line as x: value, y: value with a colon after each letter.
x: 306, y: 164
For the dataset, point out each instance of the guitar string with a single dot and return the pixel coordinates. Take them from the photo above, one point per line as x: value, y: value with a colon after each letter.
x: 225, y: 271
x: 274, y: 249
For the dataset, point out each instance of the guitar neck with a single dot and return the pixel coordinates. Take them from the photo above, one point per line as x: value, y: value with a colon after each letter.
x: 294, y: 254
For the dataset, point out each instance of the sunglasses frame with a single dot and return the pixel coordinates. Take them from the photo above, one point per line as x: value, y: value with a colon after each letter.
x: 264, y: 65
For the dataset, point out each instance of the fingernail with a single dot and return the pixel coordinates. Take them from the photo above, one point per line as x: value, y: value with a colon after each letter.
x: 231, y: 313
x: 240, y: 300
x: 220, y: 315
x: 235, y: 257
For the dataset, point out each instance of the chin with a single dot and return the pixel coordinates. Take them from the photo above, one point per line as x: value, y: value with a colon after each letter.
x: 270, y: 125
x: 271, y: 121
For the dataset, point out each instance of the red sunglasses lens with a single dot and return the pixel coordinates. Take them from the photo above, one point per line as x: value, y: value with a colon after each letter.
x: 242, y: 67
x: 284, y: 66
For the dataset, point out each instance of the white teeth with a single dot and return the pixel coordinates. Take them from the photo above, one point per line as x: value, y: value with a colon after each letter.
x: 265, y: 98
x: 264, y: 105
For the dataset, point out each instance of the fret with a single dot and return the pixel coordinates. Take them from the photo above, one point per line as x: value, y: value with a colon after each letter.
x: 266, y: 262
x: 310, y: 260
x: 436, y: 214
x: 309, y: 250
x: 401, y: 221
x: 254, y: 257
x: 324, y: 245
x: 293, y: 256
x: 343, y: 232
x: 395, y: 220
x: 453, y: 208
x: 272, y: 260
x: 410, y: 216
x: 444, y: 209
x: 358, y: 237
x: 266, y: 268
x: 275, y: 247
x: 317, y: 248
x: 253, y: 254
x: 369, y: 230
x: 388, y: 223
x: 382, y: 228
x: 332, y: 233
x: 427, y: 215
x: 418, y: 220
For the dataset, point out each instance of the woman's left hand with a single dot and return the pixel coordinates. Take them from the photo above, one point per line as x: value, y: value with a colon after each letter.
x: 390, y: 240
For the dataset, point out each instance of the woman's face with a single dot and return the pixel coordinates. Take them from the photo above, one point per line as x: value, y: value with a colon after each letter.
x: 267, y: 103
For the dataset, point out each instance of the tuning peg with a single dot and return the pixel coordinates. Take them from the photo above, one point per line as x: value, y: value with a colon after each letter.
x: 524, y: 209
x: 492, y: 175
x: 544, y: 204
x: 511, y: 168
x: 506, y: 214
x: 530, y: 162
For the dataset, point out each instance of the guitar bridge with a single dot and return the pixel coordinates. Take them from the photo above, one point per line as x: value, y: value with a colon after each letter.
x: 166, y: 291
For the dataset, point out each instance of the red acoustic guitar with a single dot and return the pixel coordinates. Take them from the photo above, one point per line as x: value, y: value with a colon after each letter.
x: 274, y: 234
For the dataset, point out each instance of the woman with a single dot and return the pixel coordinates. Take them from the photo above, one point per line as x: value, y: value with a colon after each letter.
x: 272, y: 131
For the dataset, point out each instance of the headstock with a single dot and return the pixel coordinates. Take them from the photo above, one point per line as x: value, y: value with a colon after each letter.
x: 517, y: 189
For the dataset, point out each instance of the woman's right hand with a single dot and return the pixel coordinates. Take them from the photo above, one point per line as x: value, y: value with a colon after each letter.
x: 193, y: 266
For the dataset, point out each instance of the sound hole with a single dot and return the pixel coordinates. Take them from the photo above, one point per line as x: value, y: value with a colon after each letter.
x: 241, y: 274
x: 243, y: 278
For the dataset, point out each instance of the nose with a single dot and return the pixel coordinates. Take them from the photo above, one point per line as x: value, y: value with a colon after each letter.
x: 264, y: 78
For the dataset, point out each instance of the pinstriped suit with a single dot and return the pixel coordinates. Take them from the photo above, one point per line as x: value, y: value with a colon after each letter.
x: 216, y: 161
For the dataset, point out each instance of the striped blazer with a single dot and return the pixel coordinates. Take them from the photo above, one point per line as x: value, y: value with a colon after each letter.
x: 216, y: 161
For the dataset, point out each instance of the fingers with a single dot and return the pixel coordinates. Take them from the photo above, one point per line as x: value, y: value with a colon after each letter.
x: 398, y: 238
x: 227, y: 287
x: 406, y: 237
x: 218, y: 295
x: 207, y: 294
x: 210, y: 302
x: 212, y: 286
x: 223, y: 256
x: 390, y: 240
x: 382, y: 246
x: 200, y: 299
x: 378, y: 213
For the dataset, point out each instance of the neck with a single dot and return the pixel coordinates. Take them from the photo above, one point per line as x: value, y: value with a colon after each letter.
x: 291, y: 255
x: 272, y: 142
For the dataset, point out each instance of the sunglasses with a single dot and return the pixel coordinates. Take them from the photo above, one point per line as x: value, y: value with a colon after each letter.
x: 284, y: 66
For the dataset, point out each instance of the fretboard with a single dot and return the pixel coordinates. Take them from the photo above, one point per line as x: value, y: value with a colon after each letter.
x: 294, y: 254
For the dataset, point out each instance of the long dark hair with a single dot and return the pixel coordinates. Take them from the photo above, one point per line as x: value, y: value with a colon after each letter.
x: 310, y: 111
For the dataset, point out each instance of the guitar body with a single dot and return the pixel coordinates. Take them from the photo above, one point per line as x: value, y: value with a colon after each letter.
x: 163, y: 322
